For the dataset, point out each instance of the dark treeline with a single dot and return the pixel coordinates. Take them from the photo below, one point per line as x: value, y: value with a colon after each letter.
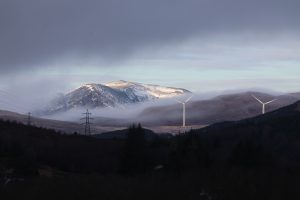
x: 257, y: 158
x: 27, y: 147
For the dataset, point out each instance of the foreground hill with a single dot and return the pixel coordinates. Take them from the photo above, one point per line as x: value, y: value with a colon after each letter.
x: 26, y: 149
x: 221, y: 108
x: 276, y: 135
x: 123, y: 134
x: 255, y: 158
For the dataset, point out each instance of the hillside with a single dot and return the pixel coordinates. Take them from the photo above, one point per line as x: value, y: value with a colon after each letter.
x: 254, y: 158
x: 221, y: 108
x: 26, y: 149
x: 276, y: 132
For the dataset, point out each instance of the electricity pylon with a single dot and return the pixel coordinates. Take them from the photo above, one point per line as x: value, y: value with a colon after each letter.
x: 87, y: 123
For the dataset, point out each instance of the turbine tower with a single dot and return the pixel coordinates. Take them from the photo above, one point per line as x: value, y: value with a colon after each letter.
x: 183, y: 109
x: 263, y: 103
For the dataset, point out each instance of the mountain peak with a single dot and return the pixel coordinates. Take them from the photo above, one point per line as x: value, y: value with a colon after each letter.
x: 92, y: 86
x: 119, y: 84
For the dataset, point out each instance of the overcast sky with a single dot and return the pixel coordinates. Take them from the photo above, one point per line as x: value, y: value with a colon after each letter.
x: 50, y: 46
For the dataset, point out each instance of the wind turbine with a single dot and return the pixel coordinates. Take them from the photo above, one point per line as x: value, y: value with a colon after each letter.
x: 263, y: 103
x: 183, y: 109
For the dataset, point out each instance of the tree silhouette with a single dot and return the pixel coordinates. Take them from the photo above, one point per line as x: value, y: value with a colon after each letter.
x: 134, y: 159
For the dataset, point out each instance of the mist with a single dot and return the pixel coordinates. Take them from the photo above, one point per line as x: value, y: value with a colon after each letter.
x: 26, y: 94
x: 129, y: 113
x: 126, y: 112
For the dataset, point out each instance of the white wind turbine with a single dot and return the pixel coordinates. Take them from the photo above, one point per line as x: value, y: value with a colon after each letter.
x: 183, y: 109
x: 263, y: 103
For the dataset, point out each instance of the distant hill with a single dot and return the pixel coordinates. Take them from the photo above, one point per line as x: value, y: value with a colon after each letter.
x: 229, y: 107
x: 63, y: 126
x: 296, y: 94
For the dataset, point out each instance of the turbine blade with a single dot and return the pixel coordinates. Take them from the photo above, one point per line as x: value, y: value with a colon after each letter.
x: 178, y: 101
x: 188, y: 99
x: 257, y: 99
x: 270, y: 101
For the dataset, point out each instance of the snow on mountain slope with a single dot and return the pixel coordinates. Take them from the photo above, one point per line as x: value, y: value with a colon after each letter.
x: 149, y: 90
x: 113, y: 94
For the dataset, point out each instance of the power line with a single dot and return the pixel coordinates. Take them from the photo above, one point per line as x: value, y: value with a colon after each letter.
x: 87, y: 123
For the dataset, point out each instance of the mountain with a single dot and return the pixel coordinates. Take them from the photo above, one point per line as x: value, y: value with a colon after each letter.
x: 113, y: 94
x: 229, y: 107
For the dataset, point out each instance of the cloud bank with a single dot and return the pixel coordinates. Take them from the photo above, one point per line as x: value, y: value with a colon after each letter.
x: 36, y: 33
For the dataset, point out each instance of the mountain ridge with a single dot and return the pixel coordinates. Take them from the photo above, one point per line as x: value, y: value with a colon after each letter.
x: 228, y: 107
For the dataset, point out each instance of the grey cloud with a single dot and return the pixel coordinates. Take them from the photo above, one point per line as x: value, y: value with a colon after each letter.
x: 35, y: 32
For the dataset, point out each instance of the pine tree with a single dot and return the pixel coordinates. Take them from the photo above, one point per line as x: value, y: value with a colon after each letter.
x: 134, y: 159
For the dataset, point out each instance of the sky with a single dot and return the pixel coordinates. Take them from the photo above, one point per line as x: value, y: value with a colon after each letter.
x: 52, y: 46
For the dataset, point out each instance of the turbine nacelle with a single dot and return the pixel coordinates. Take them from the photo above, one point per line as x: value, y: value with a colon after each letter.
x: 263, y: 103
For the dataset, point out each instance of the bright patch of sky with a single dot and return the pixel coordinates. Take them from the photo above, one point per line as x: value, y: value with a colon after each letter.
x: 206, y: 64
x: 199, y: 65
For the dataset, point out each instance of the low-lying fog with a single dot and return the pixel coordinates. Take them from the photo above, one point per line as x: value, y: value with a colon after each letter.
x: 32, y: 96
x: 127, y: 111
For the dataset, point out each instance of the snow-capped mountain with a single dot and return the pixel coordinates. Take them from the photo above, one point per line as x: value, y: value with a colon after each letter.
x: 112, y: 94
x: 147, y: 91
